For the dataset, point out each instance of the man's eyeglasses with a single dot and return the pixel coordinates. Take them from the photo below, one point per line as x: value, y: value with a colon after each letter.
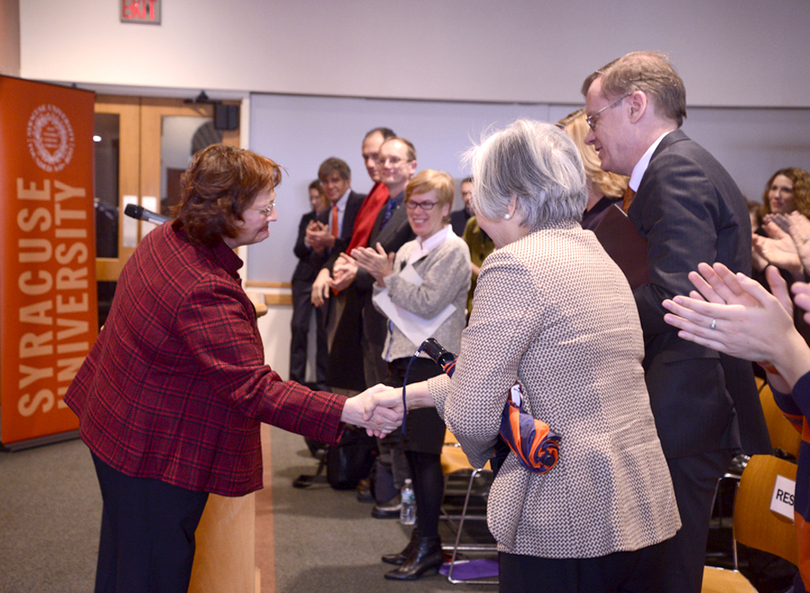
x: 267, y: 211
x: 426, y: 206
x: 593, y: 118
x: 392, y: 160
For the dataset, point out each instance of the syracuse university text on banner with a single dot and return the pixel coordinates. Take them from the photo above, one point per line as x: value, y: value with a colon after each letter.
x: 48, y: 299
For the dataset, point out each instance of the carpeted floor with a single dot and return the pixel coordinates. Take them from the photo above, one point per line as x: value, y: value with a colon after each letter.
x: 50, y: 513
x: 315, y: 539
x: 327, y: 541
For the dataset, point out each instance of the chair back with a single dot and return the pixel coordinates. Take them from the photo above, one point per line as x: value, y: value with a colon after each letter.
x: 783, y: 435
x: 755, y: 525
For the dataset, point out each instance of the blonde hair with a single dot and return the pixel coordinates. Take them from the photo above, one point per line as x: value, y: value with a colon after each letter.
x: 608, y: 184
x: 427, y: 180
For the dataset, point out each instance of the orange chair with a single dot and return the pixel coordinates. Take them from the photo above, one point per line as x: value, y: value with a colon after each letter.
x: 755, y: 525
x: 783, y: 435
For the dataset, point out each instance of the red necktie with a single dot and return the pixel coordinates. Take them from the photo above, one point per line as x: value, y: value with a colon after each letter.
x: 334, y: 221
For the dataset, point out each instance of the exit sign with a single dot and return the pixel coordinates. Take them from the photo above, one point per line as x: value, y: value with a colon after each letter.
x: 140, y: 11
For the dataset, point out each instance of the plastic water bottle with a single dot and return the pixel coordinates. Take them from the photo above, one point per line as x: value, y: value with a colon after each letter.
x: 407, y: 513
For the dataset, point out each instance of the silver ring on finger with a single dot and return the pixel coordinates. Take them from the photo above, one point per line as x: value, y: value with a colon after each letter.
x: 714, y: 324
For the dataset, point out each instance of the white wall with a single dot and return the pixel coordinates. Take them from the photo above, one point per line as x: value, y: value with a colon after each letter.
x: 730, y: 53
x: 300, y: 132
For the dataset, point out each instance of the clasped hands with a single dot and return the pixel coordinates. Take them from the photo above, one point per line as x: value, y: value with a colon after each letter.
x: 378, y: 409
x: 318, y: 236
x: 375, y: 261
x: 343, y: 274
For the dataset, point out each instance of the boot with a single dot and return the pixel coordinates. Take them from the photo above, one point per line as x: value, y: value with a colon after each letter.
x: 426, y: 557
x: 400, y: 558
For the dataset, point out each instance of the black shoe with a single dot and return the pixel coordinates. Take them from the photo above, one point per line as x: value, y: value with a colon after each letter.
x: 400, y: 558
x: 388, y: 510
x: 426, y: 558
x: 379, y: 512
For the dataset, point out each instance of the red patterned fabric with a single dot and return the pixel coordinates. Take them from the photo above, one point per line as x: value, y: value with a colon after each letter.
x: 175, y: 387
x: 364, y: 222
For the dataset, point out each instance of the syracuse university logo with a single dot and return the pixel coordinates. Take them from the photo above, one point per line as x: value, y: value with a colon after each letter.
x: 50, y: 138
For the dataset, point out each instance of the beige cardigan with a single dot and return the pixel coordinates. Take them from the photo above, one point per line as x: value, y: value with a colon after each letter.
x: 555, y: 312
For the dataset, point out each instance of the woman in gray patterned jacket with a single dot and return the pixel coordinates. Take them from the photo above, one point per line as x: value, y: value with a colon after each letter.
x: 422, y: 292
x: 554, y: 312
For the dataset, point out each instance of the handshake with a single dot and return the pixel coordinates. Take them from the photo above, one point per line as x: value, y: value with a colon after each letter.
x: 378, y: 409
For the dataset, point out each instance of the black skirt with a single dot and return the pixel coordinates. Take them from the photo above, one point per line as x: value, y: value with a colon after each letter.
x: 424, y: 429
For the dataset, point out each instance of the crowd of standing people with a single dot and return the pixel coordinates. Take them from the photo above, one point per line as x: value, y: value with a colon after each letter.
x: 703, y: 404
x: 650, y: 391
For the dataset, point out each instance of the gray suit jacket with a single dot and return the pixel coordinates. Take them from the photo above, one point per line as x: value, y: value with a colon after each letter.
x: 554, y: 311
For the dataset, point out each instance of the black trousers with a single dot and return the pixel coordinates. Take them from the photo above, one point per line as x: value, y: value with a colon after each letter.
x: 147, y: 534
x: 694, y: 479
x: 621, y: 572
x: 302, y: 313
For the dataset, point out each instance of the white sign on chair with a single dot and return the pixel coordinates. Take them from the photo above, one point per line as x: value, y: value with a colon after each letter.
x: 784, y: 491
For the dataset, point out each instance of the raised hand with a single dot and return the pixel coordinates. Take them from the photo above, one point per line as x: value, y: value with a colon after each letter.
x: 799, y: 229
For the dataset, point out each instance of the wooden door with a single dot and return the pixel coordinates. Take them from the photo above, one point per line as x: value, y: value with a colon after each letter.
x: 142, y: 145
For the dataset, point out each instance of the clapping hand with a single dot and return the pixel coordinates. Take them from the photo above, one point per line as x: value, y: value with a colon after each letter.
x: 799, y: 229
x: 375, y: 261
x: 318, y: 236
x: 779, y: 248
x: 343, y: 273
x: 734, y: 314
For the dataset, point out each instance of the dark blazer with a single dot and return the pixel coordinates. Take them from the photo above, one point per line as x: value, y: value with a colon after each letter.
x: 690, y: 210
x: 352, y: 208
x: 458, y: 220
x: 359, y: 320
x: 392, y: 236
x: 309, y: 262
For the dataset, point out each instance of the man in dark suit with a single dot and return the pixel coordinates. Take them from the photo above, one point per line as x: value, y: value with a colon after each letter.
x: 690, y: 211
x: 337, y: 295
x: 309, y: 262
x: 333, y: 228
x: 459, y: 218
x: 331, y: 231
x: 391, y: 230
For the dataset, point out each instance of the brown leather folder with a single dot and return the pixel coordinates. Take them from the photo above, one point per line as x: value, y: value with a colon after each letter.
x: 622, y: 241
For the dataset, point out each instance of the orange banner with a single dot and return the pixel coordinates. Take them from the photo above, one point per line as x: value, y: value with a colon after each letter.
x: 48, y: 302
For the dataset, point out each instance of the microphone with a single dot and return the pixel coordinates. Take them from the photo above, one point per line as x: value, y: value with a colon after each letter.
x: 446, y: 360
x: 141, y: 213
